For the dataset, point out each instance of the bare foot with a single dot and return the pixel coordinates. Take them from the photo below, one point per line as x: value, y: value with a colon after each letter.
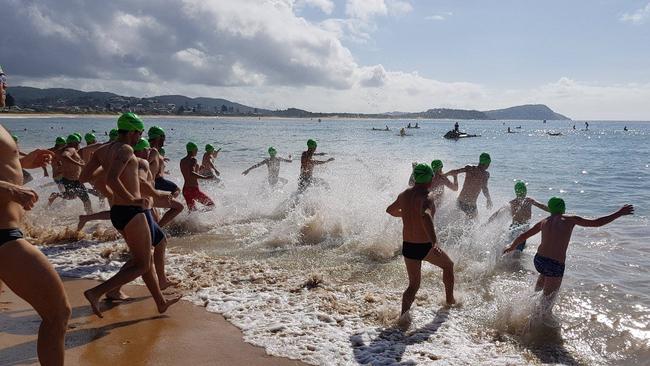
x: 117, y: 295
x: 451, y: 303
x: 94, y: 302
x: 163, y: 308
x: 82, y: 222
x: 53, y: 197
x: 404, y: 321
x: 165, y: 284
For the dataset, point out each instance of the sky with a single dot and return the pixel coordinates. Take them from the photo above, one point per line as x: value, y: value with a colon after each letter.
x: 587, y: 59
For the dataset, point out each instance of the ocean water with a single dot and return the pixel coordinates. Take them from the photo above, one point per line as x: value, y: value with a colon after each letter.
x: 319, y: 277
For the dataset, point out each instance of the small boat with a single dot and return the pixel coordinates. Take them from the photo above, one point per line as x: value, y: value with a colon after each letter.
x: 455, y: 135
x: 380, y: 129
x: 554, y: 133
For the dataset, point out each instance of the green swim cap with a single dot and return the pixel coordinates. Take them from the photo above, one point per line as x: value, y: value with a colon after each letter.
x: 436, y: 165
x: 130, y: 122
x: 72, y: 139
x: 112, y: 136
x: 556, y: 206
x: 484, y: 159
x: 209, y: 148
x: 15, y: 138
x: 155, y: 132
x: 141, y: 145
x: 78, y: 135
x: 272, y: 151
x: 520, y: 189
x: 311, y: 144
x: 422, y: 173
x: 59, y: 141
x: 90, y: 138
x: 161, y: 151
x: 191, y: 147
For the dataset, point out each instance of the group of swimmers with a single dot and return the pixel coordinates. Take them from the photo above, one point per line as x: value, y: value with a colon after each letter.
x: 416, y: 206
x: 129, y: 171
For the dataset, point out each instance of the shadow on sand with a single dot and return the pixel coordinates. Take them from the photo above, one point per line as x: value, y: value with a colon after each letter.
x: 389, y: 346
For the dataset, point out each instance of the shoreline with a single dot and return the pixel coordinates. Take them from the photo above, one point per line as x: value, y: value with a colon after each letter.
x: 131, y: 333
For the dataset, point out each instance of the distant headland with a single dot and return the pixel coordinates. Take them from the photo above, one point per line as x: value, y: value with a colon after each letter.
x: 23, y: 99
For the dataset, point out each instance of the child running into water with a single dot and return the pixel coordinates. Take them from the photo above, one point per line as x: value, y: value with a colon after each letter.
x: 556, y: 233
x: 191, y: 190
x: 521, y: 211
x: 416, y: 208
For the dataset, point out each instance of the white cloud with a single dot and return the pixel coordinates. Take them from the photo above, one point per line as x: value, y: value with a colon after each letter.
x: 326, y: 6
x: 399, y: 7
x: 439, y: 16
x: 638, y: 17
x: 365, y: 9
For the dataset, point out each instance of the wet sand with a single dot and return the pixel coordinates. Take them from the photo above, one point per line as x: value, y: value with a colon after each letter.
x: 129, y: 334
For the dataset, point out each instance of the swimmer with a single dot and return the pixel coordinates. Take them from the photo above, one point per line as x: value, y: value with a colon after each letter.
x: 440, y: 181
x: 273, y: 166
x: 191, y: 190
x: 520, y: 209
x: 207, y: 167
x: 476, y: 180
x: 71, y: 165
x: 416, y: 208
x: 23, y: 267
x: 156, y: 137
x: 307, y: 164
x: 128, y: 212
x: 556, y: 233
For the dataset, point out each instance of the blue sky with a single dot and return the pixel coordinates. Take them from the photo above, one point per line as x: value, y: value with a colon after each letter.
x: 585, y: 59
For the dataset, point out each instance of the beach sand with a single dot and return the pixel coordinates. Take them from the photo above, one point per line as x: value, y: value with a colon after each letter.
x: 129, y: 334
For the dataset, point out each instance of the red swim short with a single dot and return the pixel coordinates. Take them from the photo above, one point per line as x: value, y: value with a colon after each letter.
x: 193, y: 194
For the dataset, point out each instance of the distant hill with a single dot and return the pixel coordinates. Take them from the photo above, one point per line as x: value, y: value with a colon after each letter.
x: 61, y: 100
x: 525, y: 112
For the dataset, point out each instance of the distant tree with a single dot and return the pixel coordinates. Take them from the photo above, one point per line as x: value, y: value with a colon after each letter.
x: 10, y: 101
x: 180, y: 110
x: 224, y: 109
x: 237, y: 110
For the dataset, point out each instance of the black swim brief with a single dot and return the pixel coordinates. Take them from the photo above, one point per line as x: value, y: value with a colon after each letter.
x: 415, y: 251
x: 548, y: 267
x: 74, y: 188
x: 163, y: 184
x: 7, y: 235
x: 157, y: 235
x: 468, y: 208
x: 121, y: 215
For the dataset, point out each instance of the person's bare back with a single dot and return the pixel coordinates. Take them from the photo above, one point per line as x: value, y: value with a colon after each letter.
x: 188, y: 167
x: 413, y: 203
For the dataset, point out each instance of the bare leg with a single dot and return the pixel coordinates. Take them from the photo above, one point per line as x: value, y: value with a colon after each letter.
x: 83, y: 219
x: 551, y: 285
x: 175, y: 208
x: 413, y: 269
x: 138, y: 238
x: 28, y: 274
x: 539, y: 285
x: 159, y: 264
x: 443, y: 261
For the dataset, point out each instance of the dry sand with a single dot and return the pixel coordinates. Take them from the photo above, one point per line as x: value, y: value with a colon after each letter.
x: 131, y: 333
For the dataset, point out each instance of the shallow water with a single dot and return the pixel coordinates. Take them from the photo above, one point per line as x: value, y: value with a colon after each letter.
x: 320, y: 278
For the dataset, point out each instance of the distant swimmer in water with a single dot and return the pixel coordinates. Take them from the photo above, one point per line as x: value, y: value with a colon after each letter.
x: 71, y: 165
x: 207, y: 167
x: 273, y: 166
x: 402, y: 132
x: 456, y: 127
x: 556, y: 233
x: 586, y: 125
x: 625, y: 128
x: 416, y: 209
x: 191, y: 190
x: 520, y: 209
x: 387, y: 129
x: 476, y: 180
x: 128, y: 212
x: 23, y: 267
x: 307, y: 164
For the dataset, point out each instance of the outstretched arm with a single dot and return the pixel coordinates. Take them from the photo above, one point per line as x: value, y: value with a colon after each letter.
x: 286, y: 160
x: 523, y: 237
x: 453, y: 186
x: 601, y: 221
x: 26, y: 197
x: 486, y: 193
x: 539, y: 205
x: 67, y: 156
x: 497, y: 213
x: 457, y: 171
x: 254, y: 167
x: 89, y: 169
x: 320, y: 162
